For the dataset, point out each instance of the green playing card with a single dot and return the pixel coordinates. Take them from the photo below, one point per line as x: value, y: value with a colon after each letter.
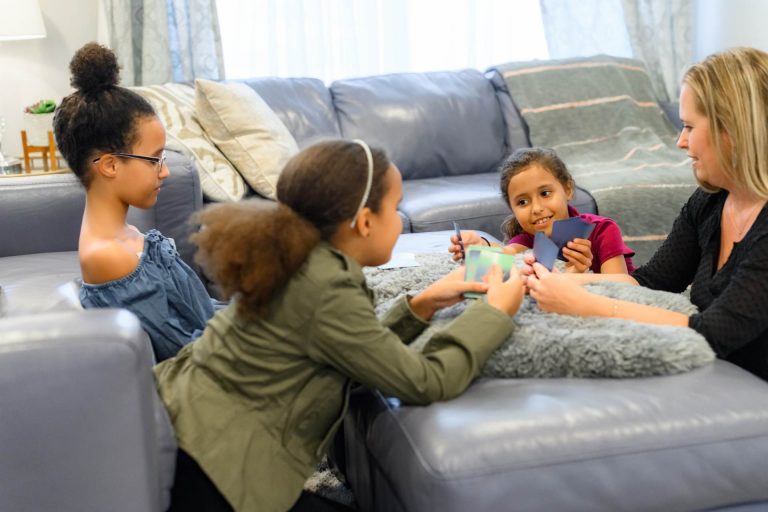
x: 479, y: 260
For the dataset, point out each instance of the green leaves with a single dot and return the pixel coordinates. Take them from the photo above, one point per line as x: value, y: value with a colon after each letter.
x: 41, y: 107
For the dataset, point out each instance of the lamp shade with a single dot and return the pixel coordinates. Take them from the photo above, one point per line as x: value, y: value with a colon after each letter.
x: 20, y: 19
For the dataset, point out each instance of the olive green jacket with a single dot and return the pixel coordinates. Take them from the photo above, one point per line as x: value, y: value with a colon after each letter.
x: 256, y: 403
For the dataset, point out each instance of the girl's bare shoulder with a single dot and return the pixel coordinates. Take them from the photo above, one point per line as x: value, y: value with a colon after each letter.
x: 104, y: 260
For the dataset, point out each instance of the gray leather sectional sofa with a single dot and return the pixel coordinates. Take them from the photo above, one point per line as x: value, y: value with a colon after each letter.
x: 446, y: 131
x: 80, y: 429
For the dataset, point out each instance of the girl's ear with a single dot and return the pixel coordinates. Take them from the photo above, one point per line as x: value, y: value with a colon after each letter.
x: 363, y: 224
x: 106, y: 166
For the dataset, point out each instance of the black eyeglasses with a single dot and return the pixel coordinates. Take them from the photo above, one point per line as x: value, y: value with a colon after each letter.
x: 158, y: 161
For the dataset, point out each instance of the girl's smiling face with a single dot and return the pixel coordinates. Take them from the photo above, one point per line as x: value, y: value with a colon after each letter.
x: 538, y: 199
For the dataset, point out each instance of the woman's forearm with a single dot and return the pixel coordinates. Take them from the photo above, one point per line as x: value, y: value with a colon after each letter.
x: 614, y: 308
x: 594, y: 278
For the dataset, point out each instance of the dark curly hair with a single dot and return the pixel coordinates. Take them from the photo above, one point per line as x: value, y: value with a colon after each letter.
x: 253, y: 247
x: 521, y: 160
x: 100, y: 116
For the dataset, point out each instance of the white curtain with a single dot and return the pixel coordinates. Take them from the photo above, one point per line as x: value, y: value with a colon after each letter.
x: 332, y: 39
x: 658, y: 32
x: 158, y: 41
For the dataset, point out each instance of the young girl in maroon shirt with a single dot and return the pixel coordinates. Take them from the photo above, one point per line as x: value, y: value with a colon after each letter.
x: 537, y: 186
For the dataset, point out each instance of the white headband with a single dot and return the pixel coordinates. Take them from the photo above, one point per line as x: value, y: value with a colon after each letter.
x: 368, y: 156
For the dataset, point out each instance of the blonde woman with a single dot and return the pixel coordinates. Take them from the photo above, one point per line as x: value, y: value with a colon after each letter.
x: 719, y: 242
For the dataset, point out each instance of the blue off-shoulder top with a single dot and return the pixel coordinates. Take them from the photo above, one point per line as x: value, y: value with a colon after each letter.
x: 164, y: 292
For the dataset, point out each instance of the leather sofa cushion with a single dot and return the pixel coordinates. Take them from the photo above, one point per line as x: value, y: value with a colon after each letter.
x: 303, y: 104
x: 472, y: 200
x: 40, y: 214
x: 692, y: 441
x: 430, y: 124
x: 37, y: 283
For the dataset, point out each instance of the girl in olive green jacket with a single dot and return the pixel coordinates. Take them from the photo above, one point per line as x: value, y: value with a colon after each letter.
x: 257, y: 398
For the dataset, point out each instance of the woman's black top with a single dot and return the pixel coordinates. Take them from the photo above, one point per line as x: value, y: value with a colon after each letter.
x: 732, y: 301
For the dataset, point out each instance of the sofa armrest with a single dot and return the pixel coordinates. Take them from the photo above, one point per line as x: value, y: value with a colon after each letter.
x: 83, y: 428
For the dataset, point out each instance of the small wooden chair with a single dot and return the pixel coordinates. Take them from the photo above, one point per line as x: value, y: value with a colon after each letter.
x: 48, y: 152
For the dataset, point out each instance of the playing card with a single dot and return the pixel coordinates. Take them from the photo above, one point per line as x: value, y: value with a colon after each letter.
x: 545, y: 250
x: 479, y: 261
x: 563, y: 231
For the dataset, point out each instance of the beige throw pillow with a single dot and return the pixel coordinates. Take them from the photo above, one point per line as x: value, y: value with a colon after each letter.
x: 247, y: 131
x: 175, y: 105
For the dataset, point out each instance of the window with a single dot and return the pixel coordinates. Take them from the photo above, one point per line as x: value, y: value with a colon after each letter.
x: 332, y: 39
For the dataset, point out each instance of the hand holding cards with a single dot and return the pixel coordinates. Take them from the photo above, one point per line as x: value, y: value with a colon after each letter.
x: 459, y: 240
x: 479, y: 260
x: 547, y: 249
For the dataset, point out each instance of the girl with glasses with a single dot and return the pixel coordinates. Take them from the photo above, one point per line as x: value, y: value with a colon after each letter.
x: 114, y: 142
x: 257, y: 398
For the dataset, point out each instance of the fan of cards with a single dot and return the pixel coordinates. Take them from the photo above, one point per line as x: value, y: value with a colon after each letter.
x: 479, y: 260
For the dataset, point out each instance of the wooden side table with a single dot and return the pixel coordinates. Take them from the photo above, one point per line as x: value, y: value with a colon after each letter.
x: 48, y: 152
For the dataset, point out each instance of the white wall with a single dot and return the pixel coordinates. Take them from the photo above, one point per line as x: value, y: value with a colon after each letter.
x: 39, y: 69
x: 721, y: 24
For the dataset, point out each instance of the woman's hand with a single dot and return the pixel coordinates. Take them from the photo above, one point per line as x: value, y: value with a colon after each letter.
x: 444, y: 292
x: 556, y: 292
x: 468, y: 237
x: 504, y: 295
x: 578, y: 255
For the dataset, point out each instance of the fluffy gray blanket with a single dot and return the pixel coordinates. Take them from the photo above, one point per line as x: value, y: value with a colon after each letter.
x: 552, y: 345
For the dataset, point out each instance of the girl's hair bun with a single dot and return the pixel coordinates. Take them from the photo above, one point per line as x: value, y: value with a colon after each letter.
x: 94, y: 67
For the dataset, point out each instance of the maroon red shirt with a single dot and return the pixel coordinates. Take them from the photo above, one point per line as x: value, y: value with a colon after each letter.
x: 606, y: 240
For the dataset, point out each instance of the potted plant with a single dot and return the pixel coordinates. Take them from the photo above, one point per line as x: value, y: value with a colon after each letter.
x: 38, y: 121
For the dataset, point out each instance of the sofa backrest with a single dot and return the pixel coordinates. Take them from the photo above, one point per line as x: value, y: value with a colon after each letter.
x: 430, y: 124
x: 303, y: 104
x: 516, y: 131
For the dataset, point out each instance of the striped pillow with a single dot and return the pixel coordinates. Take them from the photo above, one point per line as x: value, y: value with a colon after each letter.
x: 175, y: 105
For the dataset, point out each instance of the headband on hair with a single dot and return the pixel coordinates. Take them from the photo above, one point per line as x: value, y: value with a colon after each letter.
x: 369, y: 157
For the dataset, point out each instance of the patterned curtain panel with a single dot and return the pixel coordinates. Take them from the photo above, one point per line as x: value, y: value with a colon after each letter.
x: 159, y: 41
x: 658, y: 32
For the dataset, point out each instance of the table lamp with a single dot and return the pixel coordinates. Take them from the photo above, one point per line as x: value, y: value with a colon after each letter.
x: 20, y: 20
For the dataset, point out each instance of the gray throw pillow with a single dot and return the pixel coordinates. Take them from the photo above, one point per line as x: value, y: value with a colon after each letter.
x: 553, y: 345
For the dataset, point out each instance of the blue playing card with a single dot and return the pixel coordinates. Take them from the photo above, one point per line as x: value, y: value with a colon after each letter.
x: 563, y: 231
x: 545, y: 250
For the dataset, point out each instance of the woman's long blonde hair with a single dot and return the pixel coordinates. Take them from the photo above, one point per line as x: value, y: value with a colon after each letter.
x: 731, y: 89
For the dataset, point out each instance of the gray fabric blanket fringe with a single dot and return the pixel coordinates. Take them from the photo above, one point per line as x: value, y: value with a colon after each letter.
x: 552, y: 345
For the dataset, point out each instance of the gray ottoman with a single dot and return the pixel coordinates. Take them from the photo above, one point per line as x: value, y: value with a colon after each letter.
x: 694, y: 441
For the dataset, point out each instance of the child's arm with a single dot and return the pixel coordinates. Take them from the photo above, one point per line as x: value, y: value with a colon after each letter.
x: 515, y: 248
x: 469, y: 237
x: 615, y: 265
